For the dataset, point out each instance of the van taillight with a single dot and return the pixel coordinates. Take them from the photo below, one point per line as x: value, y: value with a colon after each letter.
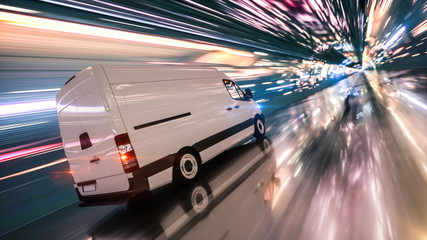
x: 126, y: 152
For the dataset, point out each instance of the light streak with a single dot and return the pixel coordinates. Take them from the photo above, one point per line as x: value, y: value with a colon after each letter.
x: 414, y: 100
x: 397, y: 51
x: 406, y: 131
x: 247, y: 85
x: 34, y: 169
x: 19, y: 125
x: 395, y: 37
x: 282, y: 158
x: 279, y: 192
x: 422, y: 27
x: 261, y: 54
x: 26, y: 152
x: 35, y: 91
x: 17, y: 9
x: 167, y: 63
x: 129, y: 24
x: 35, y: 143
x: 82, y: 29
x: 279, y: 87
x: 13, y: 188
x: 22, y: 108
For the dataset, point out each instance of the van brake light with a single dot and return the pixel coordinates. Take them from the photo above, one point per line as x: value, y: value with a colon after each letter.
x: 126, y: 152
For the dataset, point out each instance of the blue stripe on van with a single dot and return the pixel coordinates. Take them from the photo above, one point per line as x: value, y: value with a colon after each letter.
x: 161, y: 121
x: 167, y: 161
x: 216, y: 138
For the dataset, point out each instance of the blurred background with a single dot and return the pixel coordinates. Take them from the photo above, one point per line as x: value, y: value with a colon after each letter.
x: 342, y: 84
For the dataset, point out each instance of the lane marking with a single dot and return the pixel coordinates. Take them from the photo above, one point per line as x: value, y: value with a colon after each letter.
x: 34, y: 169
x: 10, y: 189
x: 23, y: 225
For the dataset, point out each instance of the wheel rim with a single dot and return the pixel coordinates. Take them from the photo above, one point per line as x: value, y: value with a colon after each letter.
x: 199, y: 199
x: 266, y: 144
x: 188, y: 166
x: 260, y: 126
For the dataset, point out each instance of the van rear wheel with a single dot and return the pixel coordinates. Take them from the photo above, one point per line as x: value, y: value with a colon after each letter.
x: 259, y: 127
x: 186, y: 166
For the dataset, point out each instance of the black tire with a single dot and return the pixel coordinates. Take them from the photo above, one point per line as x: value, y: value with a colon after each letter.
x: 186, y: 167
x: 259, y: 127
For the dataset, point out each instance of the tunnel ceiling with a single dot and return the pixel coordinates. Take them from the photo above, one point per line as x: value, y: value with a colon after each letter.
x: 321, y: 29
x: 329, y: 30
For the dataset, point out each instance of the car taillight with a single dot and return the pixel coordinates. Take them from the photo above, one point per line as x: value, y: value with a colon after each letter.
x: 126, y: 153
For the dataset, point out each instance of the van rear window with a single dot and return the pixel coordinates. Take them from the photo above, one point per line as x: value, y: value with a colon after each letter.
x: 85, y: 141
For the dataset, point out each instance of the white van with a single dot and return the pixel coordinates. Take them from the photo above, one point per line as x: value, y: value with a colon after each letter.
x: 131, y: 129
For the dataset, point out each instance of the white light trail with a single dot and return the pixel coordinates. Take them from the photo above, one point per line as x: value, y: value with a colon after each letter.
x: 35, y: 91
x: 23, y: 108
x: 247, y: 85
x: 395, y: 37
x: 17, y: 9
x: 19, y: 125
x: 129, y: 24
x: 414, y: 100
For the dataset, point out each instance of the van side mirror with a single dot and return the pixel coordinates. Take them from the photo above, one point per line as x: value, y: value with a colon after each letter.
x: 248, y: 93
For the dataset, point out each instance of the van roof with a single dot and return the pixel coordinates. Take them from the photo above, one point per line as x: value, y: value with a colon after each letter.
x: 149, y: 73
x: 157, y: 66
x: 117, y: 74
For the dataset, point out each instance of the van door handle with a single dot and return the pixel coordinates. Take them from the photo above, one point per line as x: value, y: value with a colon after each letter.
x: 237, y: 106
x: 95, y: 159
x: 229, y: 108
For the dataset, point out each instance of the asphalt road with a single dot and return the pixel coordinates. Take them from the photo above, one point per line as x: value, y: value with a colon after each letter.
x: 331, y: 167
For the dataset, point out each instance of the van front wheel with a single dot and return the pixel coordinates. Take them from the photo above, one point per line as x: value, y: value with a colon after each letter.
x: 259, y: 127
x: 186, y: 166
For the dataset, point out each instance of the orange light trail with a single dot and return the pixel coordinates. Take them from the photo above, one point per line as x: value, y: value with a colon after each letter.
x: 82, y: 29
x: 34, y: 169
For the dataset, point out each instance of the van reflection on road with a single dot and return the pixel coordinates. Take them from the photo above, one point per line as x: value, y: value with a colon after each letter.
x: 229, y: 200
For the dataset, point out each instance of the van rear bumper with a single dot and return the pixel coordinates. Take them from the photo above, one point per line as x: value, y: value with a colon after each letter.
x: 105, y: 199
x: 137, y: 185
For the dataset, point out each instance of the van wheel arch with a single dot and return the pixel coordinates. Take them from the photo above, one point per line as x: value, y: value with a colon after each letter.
x: 186, y: 166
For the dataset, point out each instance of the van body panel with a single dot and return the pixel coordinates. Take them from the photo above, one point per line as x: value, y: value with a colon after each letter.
x: 160, y: 179
x: 200, y: 108
x: 109, y: 100
x: 86, y: 114
x: 115, y: 183
x: 162, y: 109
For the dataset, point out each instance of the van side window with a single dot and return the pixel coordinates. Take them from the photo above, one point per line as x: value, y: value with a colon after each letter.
x: 235, y: 92
x: 241, y: 93
x: 85, y: 141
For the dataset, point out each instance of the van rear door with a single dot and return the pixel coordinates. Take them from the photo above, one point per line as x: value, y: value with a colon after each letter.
x: 88, y: 133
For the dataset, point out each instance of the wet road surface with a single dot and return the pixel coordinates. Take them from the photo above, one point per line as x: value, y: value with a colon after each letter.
x: 335, y: 165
